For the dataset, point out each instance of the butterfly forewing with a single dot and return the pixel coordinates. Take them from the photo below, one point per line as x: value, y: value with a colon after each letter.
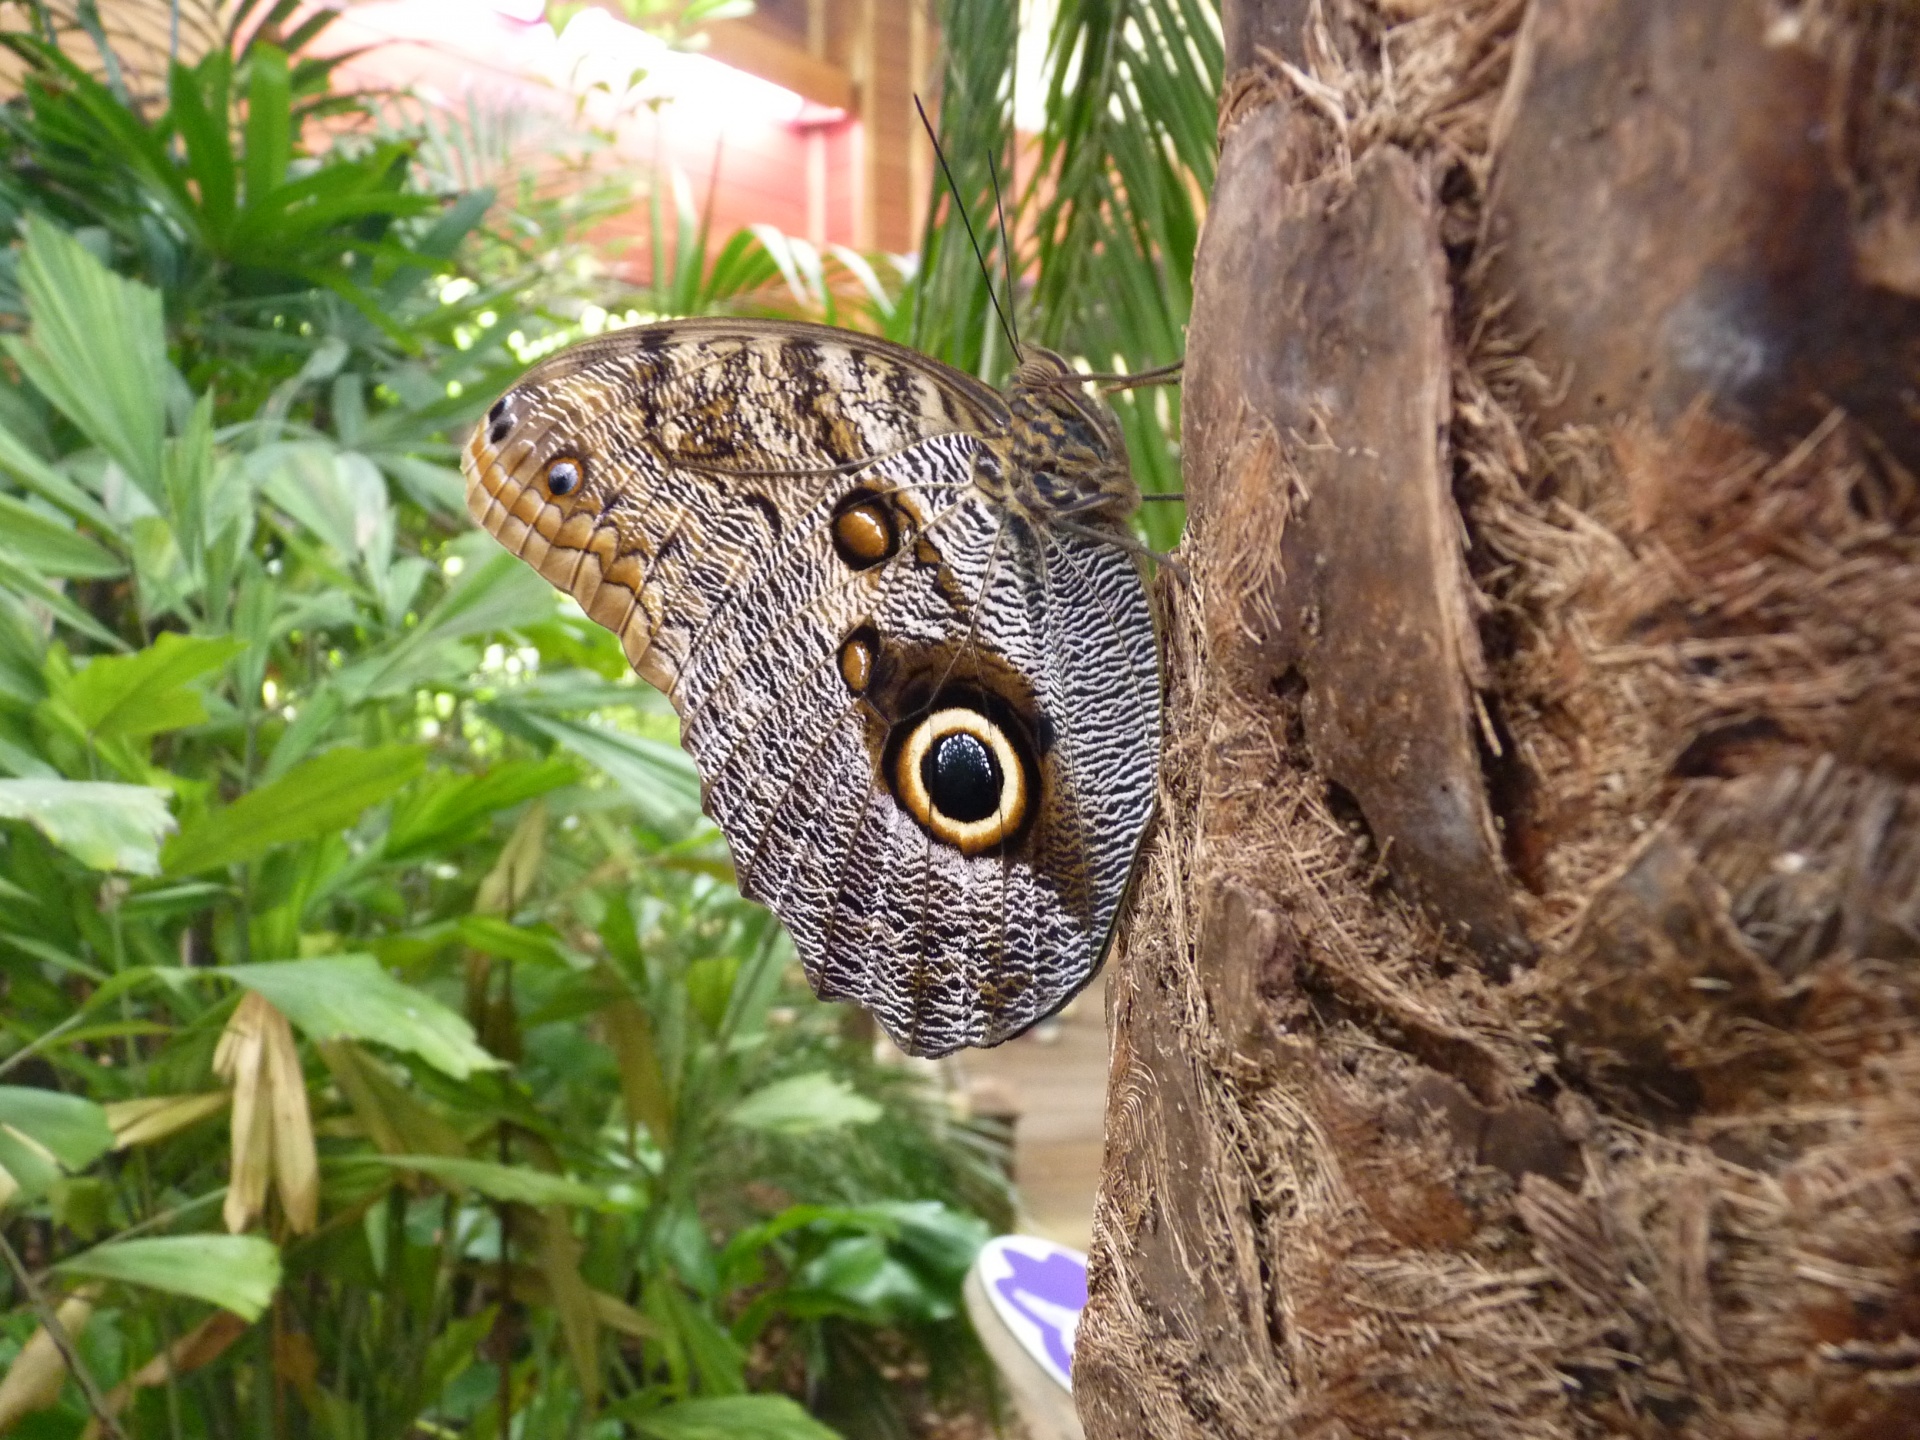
x: 927, y: 724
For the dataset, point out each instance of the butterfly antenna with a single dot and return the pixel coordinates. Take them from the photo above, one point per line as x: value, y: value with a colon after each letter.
x: 960, y: 205
x: 1006, y: 250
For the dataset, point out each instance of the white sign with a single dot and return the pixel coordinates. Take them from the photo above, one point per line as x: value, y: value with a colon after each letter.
x: 1037, y: 1289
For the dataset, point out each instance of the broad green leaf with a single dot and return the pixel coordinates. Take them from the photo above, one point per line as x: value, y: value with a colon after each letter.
x: 452, y: 1351
x: 434, y: 487
x: 236, y: 1272
x: 27, y: 1168
x: 741, y: 1256
x: 659, y: 778
x: 934, y: 1234
x: 337, y: 495
x: 188, y: 471
x: 351, y: 997
x: 24, y: 581
x: 528, y: 945
x: 716, y: 1359
x: 728, y: 1417
x: 159, y: 565
x: 73, y: 1129
x: 51, y: 485
x: 97, y: 350
x: 39, y: 1128
x: 447, y: 807
x: 802, y: 1104
x: 515, y: 1183
x: 104, y: 826
x: 146, y: 692
x: 320, y: 796
x: 858, y: 1272
x: 53, y: 547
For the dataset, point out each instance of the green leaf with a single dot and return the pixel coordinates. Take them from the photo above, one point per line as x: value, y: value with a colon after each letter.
x: 145, y: 693
x: 104, y: 826
x: 97, y: 350
x: 803, y: 1104
x: 434, y: 487
x: 489, y: 597
x: 199, y: 113
x: 51, y: 485
x: 236, y: 1272
x: 494, y: 936
x: 937, y: 1235
x: 53, y: 548
x: 321, y: 796
x: 448, y: 808
x: 515, y: 1183
x: 351, y: 997
x: 269, y: 121
x: 728, y: 1417
x: 659, y: 778
x: 858, y: 1275
x: 23, y: 581
x: 74, y: 1130
x: 335, y: 494
x: 27, y: 1168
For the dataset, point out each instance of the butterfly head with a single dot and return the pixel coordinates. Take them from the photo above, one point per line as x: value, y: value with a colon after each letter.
x: 1066, y: 456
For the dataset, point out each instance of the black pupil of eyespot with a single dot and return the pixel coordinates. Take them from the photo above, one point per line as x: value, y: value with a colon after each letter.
x: 962, y: 777
x: 563, y: 476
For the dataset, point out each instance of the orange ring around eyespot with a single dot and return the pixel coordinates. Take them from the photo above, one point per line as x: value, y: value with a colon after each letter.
x: 969, y: 837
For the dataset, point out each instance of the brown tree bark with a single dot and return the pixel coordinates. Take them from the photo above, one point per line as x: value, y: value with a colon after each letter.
x: 1518, y: 1028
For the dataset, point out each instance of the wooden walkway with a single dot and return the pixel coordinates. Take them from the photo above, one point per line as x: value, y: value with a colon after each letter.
x: 1055, y: 1077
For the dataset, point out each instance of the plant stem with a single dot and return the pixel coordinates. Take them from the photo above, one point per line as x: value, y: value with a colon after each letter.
x: 63, y: 1342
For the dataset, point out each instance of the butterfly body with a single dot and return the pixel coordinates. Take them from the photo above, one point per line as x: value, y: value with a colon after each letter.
x: 898, y: 616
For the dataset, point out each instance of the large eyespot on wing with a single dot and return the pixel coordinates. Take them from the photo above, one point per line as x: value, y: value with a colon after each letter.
x: 804, y: 614
x: 963, y: 776
x: 968, y: 897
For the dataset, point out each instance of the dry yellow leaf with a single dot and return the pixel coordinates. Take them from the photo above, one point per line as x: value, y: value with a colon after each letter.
x: 34, y: 1379
x: 643, y: 1088
x: 272, y: 1125
x: 296, y: 1162
x: 144, y: 1121
x: 397, y: 1121
x: 574, y: 1301
x: 616, y: 1314
x: 238, y: 1060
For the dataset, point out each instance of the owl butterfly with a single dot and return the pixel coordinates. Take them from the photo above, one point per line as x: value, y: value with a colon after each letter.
x: 903, y: 623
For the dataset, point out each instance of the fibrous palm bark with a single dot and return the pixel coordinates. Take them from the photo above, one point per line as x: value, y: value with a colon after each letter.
x: 1519, y: 1028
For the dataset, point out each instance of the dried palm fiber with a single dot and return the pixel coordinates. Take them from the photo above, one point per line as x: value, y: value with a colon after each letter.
x: 1372, y: 1170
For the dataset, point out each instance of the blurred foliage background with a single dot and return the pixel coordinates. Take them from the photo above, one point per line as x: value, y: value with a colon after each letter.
x: 384, y: 1049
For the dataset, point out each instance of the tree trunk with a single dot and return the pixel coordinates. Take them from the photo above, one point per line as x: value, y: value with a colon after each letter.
x: 1518, y: 1028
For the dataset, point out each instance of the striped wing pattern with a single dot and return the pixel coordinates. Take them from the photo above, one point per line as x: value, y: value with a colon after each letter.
x: 712, y: 462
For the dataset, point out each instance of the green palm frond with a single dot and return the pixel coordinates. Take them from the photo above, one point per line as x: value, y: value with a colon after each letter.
x: 951, y: 314
x: 1108, y: 219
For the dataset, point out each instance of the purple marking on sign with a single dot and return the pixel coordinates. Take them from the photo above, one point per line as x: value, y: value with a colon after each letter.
x: 1060, y: 1283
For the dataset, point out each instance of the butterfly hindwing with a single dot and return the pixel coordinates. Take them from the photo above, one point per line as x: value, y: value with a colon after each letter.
x: 927, y: 724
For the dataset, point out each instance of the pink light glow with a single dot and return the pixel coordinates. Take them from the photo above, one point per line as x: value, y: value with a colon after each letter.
x: 682, y: 110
